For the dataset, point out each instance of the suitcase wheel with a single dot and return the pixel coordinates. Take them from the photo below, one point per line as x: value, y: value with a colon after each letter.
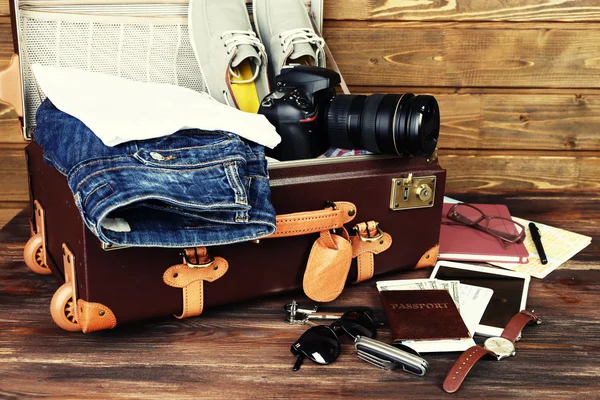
x: 33, y: 255
x: 62, y: 308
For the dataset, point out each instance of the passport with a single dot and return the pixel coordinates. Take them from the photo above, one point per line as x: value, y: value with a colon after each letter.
x: 423, y: 315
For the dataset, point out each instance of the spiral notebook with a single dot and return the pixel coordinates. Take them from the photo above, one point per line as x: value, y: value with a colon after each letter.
x: 463, y: 243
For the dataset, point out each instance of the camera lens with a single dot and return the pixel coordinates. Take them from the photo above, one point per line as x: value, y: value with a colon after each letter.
x: 402, y: 124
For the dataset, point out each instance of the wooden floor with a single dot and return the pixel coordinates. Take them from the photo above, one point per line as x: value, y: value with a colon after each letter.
x: 242, y: 351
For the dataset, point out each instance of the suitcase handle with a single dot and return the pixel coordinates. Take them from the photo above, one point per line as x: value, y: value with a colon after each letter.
x: 334, y: 216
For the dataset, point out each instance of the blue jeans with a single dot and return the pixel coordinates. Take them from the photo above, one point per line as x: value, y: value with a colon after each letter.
x: 192, y: 188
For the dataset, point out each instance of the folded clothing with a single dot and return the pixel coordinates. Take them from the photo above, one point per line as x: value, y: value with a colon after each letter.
x: 192, y: 188
x: 143, y: 110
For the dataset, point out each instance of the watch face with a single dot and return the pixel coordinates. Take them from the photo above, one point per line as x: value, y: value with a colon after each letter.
x: 501, y: 347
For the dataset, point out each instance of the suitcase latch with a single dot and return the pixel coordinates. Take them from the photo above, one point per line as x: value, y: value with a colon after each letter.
x: 412, y: 192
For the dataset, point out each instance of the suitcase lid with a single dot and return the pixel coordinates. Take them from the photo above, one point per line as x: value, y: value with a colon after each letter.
x: 136, y: 39
x: 128, y: 38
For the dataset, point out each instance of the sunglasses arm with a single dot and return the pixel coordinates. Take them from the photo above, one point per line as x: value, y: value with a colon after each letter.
x: 298, y: 362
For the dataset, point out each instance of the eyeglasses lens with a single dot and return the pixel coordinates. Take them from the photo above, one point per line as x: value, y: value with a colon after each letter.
x: 503, y: 228
x: 467, y: 214
x: 358, y: 323
x: 319, y: 343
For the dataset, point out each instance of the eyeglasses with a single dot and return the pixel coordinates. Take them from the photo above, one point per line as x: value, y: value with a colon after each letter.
x: 321, y: 344
x: 469, y: 215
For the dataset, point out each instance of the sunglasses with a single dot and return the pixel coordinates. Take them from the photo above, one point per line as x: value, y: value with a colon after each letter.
x: 321, y: 344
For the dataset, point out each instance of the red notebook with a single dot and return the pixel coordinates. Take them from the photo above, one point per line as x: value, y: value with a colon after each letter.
x: 462, y: 243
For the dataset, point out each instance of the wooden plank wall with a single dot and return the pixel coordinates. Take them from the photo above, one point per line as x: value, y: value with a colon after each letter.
x: 518, y: 84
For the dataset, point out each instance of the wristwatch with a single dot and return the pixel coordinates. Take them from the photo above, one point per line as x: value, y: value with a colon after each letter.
x: 499, y: 347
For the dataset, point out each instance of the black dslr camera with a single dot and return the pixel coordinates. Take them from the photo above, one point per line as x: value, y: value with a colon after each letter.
x: 310, y: 118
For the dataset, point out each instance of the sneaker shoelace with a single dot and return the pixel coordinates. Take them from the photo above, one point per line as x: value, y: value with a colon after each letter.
x: 302, y: 35
x: 238, y: 38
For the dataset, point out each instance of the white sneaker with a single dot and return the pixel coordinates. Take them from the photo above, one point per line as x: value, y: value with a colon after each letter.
x: 287, y: 33
x: 231, y: 57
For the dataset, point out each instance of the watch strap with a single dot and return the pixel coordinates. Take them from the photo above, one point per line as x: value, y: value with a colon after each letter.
x: 517, y: 323
x: 462, y: 366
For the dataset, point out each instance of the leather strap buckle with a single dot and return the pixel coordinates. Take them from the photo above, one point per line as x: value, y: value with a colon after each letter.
x: 189, y: 264
x: 201, y: 259
x: 534, y: 317
x: 365, y: 233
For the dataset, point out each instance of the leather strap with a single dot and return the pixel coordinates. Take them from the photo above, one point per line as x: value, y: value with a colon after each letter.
x: 304, y: 223
x: 369, y: 240
x: 191, y: 279
x: 513, y: 329
x: 466, y: 361
x: 462, y: 366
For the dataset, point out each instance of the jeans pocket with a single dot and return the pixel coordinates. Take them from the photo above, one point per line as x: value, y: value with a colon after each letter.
x: 192, y: 156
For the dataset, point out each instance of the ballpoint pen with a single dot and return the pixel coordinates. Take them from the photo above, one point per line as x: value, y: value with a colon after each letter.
x: 537, y: 240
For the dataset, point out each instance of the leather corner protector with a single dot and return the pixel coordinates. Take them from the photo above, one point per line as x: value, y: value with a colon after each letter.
x: 181, y: 275
x: 94, y: 317
x: 429, y: 258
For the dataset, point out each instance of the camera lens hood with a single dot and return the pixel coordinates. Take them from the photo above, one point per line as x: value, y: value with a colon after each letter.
x: 423, y: 125
x: 402, y: 124
x: 400, y: 133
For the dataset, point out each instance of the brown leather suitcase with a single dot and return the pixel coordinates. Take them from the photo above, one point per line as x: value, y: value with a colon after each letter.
x: 116, y: 286
x: 105, y: 287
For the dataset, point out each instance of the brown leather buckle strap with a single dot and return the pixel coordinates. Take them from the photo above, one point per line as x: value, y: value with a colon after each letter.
x: 369, y: 240
x: 331, y: 256
x: 513, y: 329
x: 196, y: 257
x: 196, y: 268
x: 462, y: 366
x: 303, y: 223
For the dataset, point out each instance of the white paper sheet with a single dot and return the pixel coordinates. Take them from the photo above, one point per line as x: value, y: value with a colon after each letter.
x: 560, y: 246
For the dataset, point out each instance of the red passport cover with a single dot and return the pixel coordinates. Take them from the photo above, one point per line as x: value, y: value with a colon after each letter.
x: 422, y: 315
x: 462, y: 243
